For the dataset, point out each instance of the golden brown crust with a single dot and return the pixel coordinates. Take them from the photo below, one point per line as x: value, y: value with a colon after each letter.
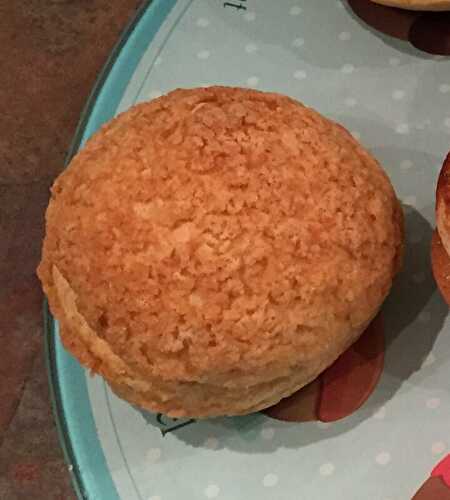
x: 443, y: 204
x: 440, y: 263
x: 440, y: 245
x: 220, y: 247
x: 429, y: 5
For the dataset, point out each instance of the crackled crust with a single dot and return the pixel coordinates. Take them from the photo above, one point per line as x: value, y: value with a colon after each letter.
x: 440, y: 247
x: 443, y: 204
x: 212, y: 251
x: 440, y: 262
x: 431, y: 5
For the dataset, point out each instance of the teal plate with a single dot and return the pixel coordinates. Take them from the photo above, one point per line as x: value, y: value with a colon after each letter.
x: 396, y: 100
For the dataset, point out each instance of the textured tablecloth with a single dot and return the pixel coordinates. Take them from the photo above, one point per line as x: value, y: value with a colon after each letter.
x: 50, y: 54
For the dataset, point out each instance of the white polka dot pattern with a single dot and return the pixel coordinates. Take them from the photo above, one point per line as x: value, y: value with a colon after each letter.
x: 383, y: 458
x: 203, y: 54
x: 430, y: 359
x: 438, y: 448
x: 402, y: 128
x: 345, y: 36
x: 300, y: 74
x: 250, y: 16
x: 295, y: 10
x: 154, y: 94
x: 212, y: 491
x: 252, y: 81
x: 327, y: 469
x: 212, y: 443
x: 351, y: 102
x: 433, y: 403
x: 406, y: 164
x: 202, y: 22
x: 380, y: 414
x: 268, y: 433
x: 153, y: 455
x: 398, y: 95
x: 298, y: 42
x: 270, y: 480
x: 250, y: 48
x: 348, y: 69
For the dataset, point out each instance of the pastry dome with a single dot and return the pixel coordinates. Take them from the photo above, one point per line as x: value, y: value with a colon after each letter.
x: 212, y: 251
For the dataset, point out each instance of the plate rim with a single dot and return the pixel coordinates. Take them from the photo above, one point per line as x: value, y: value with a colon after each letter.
x: 92, y: 117
x: 93, y: 114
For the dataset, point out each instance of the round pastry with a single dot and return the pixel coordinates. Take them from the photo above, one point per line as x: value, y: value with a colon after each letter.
x: 214, y: 250
x: 426, y: 30
x: 431, y: 5
x: 440, y: 245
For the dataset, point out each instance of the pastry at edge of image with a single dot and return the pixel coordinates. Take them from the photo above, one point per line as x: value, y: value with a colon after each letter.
x: 214, y: 250
x: 421, y: 5
x: 440, y: 246
x: 426, y: 30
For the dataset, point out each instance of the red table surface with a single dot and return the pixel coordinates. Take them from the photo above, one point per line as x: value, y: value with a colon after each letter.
x: 50, y: 55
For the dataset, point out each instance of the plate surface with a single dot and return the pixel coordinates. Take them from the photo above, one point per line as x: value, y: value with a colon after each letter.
x: 396, y: 100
